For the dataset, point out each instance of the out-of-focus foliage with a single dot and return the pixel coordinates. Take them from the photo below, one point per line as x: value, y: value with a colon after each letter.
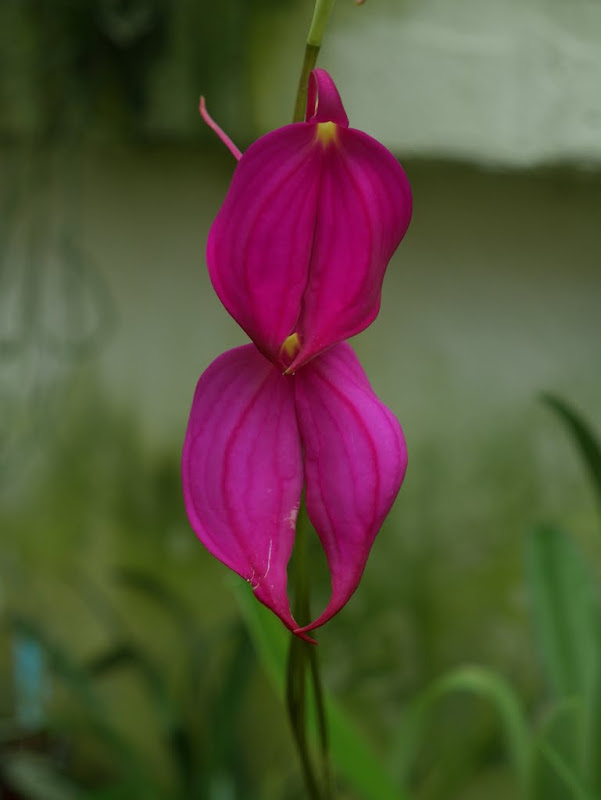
x: 162, y: 693
x: 115, y: 68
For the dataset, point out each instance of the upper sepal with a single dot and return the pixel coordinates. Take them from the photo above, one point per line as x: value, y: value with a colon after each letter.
x: 312, y: 217
x: 260, y: 244
x: 363, y: 211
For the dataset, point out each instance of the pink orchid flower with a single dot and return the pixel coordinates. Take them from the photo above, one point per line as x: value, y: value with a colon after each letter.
x: 314, y: 212
x: 297, y: 255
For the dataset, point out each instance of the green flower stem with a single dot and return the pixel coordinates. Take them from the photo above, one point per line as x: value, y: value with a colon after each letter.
x: 303, y: 669
x: 322, y: 722
x: 298, y: 661
x: 311, y: 52
x: 302, y: 657
x: 321, y: 15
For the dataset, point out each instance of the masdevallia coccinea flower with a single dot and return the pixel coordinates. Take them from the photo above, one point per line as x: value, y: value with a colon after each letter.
x: 297, y: 255
x: 314, y: 212
x: 256, y: 436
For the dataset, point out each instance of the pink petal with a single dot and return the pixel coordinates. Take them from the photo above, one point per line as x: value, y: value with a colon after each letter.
x: 300, y: 246
x: 363, y: 212
x: 355, y: 462
x: 242, y: 471
x: 259, y: 247
x: 323, y: 100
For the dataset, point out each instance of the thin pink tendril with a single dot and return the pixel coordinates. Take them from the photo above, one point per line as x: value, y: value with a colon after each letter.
x: 215, y: 127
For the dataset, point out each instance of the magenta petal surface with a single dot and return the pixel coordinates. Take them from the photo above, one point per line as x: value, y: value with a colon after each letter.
x: 363, y: 212
x: 301, y: 243
x: 242, y: 471
x: 323, y: 100
x: 260, y: 244
x: 355, y: 462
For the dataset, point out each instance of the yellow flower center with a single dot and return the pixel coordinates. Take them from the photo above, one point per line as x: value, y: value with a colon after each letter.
x: 291, y: 345
x: 327, y: 132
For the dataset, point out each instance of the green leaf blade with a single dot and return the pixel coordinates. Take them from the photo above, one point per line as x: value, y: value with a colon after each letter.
x: 565, y: 613
x: 585, y: 439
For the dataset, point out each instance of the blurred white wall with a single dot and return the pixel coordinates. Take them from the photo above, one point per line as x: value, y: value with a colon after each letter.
x: 510, y: 82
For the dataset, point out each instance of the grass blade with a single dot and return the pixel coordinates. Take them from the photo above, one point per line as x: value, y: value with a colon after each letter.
x: 587, y: 442
x: 486, y: 684
x: 565, y: 612
x: 568, y: 628
x: 557, y: 736
x: 578, y: 790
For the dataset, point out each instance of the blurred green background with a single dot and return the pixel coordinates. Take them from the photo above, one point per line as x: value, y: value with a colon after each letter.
x: 126, y: 665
